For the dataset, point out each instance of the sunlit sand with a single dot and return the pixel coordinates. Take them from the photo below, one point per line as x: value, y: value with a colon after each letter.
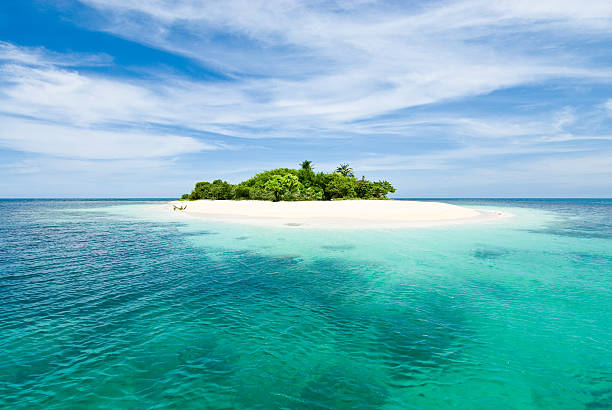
x: 342, y: 214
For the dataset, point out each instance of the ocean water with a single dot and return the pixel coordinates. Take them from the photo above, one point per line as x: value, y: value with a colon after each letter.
x: 122, y: 304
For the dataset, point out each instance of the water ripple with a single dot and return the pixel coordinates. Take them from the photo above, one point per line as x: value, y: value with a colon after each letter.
x: 102, y: 311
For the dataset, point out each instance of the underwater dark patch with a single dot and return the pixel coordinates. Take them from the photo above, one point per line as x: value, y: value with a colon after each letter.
x: 574, y: 232
x: 423, y: 334
x: 202, y: 233
x: 490, y: 253
x: 591, y: 259
x: 345, y: 388
x: 338, y: 247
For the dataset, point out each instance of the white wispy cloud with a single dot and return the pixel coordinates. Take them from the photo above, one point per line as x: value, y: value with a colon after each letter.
x: 371, y: 33
x: 319, y: 65
x: 55, y: 110
x: 324, y: 105
x: 296, y: 69
x: 608, y: 106
x: 40, y: 56
x: 319, y: 68
x: 315, y: 62
x: 72, y: 142
x: 453, y: 158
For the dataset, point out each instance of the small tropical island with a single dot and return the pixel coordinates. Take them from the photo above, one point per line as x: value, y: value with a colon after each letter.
x: 304, y: 198
x: 286, y: 184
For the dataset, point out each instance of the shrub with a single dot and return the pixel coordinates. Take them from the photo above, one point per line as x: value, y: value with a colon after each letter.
x: 285, y: 184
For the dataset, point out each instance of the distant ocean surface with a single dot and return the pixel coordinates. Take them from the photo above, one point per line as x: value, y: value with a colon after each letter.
x: 120, y: 304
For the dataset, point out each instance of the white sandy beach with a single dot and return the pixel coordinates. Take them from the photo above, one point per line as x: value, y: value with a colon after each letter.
x: 341, y: 214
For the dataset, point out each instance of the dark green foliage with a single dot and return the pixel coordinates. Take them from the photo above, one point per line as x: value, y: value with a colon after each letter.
x: 242, y: 191
x: 382, y: 188
x: 259, y: 180
x: 339, y: 186
x: 285, y: 184
x: 306, y: 177
x: 306, y: 165
x: 221, y: 190
x: 282, y: 185
x: 345, y: 170
x: 216, y: 190
x: 367, y: 189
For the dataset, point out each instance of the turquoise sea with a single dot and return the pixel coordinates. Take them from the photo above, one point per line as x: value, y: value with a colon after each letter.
x: 121, y: 304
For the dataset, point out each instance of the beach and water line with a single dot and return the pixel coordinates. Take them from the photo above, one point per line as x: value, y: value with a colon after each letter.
x: 347, y: 214
x: 129, y: 304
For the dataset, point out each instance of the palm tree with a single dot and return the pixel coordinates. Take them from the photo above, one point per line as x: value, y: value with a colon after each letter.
x: 345, y: 170
x: 306, y: 165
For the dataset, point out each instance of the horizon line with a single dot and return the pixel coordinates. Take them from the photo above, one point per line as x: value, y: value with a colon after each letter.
x: 398, y: 198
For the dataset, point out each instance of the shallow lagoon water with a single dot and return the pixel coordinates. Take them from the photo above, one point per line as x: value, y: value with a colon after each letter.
x: 123, y: 304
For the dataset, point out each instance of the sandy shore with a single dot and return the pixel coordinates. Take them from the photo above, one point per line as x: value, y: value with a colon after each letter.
x: 332, y: 214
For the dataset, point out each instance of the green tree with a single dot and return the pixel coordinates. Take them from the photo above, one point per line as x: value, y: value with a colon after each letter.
x: 221, y: 190
x: 275, y: 186
x: 305, y: 173
x: 218, y: 189
x: 339, y: 186
x: 306, y: 165
x: 285, y: 184
x: 282, y: 185
x: 345, y: 170
x: 201, y: 191
x: 242, y: 191
x: 382, y: 188
x: 311, y: 194
x: 259, y: 180
x: 364, y: 189
x: 291, y: 183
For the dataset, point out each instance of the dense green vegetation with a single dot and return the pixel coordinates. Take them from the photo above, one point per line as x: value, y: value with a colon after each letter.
x: 285, y: 184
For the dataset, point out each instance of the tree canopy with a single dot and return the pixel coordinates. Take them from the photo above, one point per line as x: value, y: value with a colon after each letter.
x: 303, y: 184
x: 345, y: 170
x: 306, y: 165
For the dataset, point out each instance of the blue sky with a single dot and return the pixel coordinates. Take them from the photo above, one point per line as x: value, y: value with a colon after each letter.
x: 142, y: 98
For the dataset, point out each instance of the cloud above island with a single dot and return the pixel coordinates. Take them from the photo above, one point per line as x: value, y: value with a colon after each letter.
x: 452, y: 85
